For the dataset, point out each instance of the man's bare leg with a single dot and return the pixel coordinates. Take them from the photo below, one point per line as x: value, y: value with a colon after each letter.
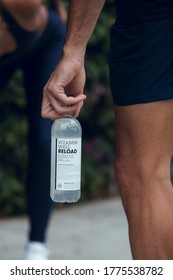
x: 144, y: 147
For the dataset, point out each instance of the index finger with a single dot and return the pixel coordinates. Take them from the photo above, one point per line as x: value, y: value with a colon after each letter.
x: 68, y: 99
x: 65, y: 98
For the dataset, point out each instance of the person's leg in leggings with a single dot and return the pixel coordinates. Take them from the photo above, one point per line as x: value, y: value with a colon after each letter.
x: 37, y: 71
x: 144, y: 147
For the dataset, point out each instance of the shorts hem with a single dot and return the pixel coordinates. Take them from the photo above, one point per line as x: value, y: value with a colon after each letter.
x: 140, y: 101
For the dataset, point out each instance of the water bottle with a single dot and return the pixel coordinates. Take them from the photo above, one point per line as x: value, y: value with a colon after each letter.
x: 66, y: 141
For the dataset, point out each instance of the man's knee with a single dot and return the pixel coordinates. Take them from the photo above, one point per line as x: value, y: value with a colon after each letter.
x: 137, y: 176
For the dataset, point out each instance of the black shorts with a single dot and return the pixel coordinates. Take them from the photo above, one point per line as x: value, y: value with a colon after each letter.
x: 141, y: 62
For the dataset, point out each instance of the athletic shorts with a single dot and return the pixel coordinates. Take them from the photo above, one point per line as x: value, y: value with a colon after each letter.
x: 141, y: 62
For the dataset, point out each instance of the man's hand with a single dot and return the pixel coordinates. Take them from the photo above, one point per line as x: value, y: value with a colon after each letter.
x: 63, y: 93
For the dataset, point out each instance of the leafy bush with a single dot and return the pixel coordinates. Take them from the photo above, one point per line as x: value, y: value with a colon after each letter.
x: 13, y: 148
x: 97, y: 117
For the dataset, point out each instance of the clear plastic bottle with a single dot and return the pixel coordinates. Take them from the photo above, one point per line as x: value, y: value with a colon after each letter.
x: 66, y: 160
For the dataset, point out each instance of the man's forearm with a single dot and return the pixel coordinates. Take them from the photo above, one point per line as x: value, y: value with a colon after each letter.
x: 82, y: 18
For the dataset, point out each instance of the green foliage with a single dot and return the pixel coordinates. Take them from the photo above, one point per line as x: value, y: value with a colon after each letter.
x: 12, y: 195
x: 96, y: 119
x: 13, y: 147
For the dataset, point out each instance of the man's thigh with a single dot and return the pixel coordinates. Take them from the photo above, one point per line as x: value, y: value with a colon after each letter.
x: 144, y: 134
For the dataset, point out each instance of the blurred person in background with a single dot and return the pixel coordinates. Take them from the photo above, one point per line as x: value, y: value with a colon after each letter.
x: 141, y: 79
x: 31, y: 39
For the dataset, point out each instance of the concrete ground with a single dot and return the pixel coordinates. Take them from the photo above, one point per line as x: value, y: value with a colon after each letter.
x: 93, y: 230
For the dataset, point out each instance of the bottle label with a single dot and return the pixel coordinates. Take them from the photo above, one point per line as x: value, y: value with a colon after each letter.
x: 68, y: 164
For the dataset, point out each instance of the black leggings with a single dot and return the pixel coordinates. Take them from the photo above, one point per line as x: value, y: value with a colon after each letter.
x: 37, y: 66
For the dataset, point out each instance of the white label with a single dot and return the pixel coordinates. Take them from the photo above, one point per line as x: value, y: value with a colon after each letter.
x: 68, y: 163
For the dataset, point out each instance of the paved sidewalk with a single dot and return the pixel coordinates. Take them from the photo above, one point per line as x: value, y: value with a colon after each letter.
x: 94, y: 230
